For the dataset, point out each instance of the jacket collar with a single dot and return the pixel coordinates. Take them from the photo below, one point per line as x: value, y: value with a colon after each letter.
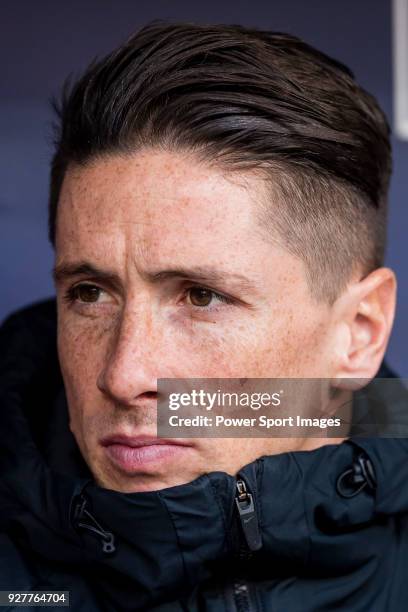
x: 165, y: 542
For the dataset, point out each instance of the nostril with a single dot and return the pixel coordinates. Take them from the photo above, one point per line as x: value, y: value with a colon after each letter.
x: 359, y: 476
x: 126, y: 385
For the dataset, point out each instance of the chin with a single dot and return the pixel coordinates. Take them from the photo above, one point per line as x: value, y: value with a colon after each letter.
x: 138, y: 484
x: 115, y: 480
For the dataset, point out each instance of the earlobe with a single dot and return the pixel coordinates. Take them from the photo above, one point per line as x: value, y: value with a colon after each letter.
x: 368, y: 310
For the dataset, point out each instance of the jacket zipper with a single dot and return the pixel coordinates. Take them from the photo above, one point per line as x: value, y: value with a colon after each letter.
x: 248, y: 516
x: 248, y: 519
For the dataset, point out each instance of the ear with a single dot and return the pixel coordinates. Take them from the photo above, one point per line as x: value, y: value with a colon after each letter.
x: 364, y: 316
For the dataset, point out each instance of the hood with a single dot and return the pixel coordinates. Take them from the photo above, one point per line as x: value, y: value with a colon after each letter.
x: 161, y: 544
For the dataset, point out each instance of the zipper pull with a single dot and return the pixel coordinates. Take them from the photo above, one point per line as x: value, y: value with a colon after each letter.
x: 81, y: 514
x: 248, y: 516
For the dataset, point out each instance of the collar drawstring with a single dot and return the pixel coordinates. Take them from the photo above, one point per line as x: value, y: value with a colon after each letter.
x: 79, y: 515
x: 360, y: 474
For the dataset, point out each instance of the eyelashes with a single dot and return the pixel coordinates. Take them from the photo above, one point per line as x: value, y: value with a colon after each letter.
x: 203, y: 296
x: 73, y: 293
x: 203, y: 292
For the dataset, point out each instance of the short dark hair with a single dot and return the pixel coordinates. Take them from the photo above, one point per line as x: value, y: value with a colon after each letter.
x: 246, y: 99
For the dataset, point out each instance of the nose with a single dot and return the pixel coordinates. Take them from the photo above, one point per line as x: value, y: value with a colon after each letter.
x: 130, y: 372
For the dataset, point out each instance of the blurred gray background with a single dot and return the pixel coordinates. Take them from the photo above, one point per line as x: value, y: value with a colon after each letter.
x: 42, y: 42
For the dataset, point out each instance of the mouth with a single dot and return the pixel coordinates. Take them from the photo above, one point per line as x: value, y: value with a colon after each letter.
x: 134, y: 455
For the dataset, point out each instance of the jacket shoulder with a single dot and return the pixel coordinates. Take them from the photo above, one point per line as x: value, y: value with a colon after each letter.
x: 16, y: 572
x: 42, y: 313
x: 28, y: 341
x: 22, y: 571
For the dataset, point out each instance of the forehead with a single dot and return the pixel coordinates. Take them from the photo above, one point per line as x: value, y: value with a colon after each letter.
x: 156, y: 201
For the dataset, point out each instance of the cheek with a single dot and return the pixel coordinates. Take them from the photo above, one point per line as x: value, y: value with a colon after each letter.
x: 81, y: 350
x: 277, y: 343
x: 297, y: 349
x: 282, y: 342
x: 211, y: 350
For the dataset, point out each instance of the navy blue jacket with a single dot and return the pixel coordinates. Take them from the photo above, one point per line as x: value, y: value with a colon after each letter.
x: 297, y: 541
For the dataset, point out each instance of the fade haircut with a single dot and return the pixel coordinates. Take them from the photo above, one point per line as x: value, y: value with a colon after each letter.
x: 245, y: 99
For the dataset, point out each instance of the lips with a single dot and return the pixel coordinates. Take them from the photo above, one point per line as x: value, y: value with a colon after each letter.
x: 139, y: 441
x: 143, y: 453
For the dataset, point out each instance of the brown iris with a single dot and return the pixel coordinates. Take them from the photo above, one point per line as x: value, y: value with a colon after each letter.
x: 199, y: 296
x: 87, y: 293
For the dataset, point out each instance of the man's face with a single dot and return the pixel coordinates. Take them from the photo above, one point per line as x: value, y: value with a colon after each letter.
x: 136, y: 218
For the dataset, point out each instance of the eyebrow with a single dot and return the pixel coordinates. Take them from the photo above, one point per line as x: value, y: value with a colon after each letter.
x: 209, y: 274
x: 65, y: 271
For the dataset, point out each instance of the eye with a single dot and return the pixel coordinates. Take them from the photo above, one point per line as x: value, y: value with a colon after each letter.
x: 202, y: 297
x: 85, y: 293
